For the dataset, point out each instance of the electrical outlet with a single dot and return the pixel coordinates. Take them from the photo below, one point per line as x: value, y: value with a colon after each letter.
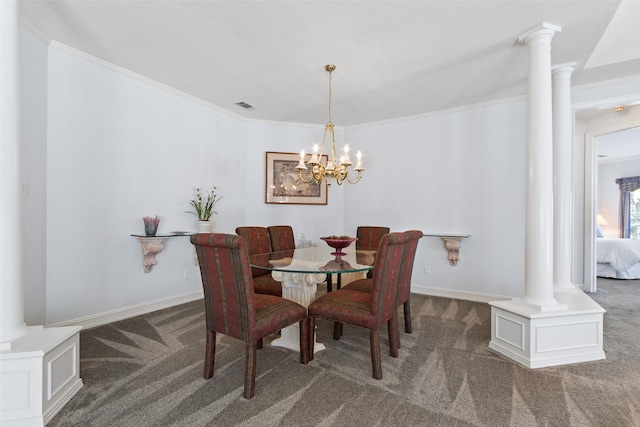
x: 427, y: 271
x: 186, y: 275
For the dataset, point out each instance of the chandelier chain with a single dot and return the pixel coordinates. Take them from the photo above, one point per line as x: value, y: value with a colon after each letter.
x: 330, y: 73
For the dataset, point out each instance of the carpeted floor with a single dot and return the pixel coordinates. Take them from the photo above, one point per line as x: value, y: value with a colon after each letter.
x: 147, y: 371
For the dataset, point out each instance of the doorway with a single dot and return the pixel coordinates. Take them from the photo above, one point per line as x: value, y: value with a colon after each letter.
x: 599, y: 128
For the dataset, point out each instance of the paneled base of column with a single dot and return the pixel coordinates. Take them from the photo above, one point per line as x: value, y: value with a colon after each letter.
x: 39, y: 375
x: 536, y: 339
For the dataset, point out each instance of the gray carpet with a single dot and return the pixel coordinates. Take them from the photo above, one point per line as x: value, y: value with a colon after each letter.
x: 147, y: 371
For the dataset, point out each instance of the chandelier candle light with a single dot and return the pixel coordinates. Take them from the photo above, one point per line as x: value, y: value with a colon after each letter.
x: 333, y: 170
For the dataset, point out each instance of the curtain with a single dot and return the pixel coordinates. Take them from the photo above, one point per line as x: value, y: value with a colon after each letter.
x: 627, y: 185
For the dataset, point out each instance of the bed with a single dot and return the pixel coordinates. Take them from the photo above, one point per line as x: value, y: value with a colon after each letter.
x: 618, y: 258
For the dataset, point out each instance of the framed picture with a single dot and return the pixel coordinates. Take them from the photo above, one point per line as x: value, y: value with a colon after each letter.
x: 284, y: 185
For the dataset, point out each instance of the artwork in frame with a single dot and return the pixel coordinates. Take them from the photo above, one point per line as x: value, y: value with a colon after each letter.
x: 284, y: 185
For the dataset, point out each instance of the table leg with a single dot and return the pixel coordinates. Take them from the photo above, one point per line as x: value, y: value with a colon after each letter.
x: 300, y: 288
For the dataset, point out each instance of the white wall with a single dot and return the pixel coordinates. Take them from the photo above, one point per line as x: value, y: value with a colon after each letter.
x: 119, y: 148
x: 609, y: 192
x: 454, y: 172
x: 33, y: 110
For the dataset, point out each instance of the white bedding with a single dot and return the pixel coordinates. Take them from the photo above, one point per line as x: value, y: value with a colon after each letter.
x: 618, y: 258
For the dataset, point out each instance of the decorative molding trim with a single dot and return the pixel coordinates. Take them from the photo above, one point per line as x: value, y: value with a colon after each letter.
x: 131, y: 311
x: 79, y: 53
x: 162, y: 86
x: 604, y: 83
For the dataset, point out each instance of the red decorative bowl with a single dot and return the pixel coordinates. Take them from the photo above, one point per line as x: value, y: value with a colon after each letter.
x: 339, y: 243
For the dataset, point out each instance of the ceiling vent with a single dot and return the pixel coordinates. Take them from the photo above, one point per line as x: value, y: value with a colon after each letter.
x: 245, y: 105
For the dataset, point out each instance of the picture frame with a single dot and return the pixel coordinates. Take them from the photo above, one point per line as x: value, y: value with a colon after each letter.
x: 283, y: 183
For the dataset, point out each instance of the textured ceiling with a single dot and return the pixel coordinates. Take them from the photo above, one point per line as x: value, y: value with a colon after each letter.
x: 394, y: 58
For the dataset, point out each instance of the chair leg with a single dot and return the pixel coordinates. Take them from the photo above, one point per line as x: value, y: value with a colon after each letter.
x: 407, y: 316
x: 209, y: 354
x: 312, y: 332
x: 337, y: 330
x: 304, y: 341
x: 249, y: 370
x: 394, y: 335
x: 374, y: 343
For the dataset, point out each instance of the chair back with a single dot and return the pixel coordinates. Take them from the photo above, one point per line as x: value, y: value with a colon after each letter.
x: 407, y: 265
x: 227, y: 284
x: 258, y: 242
x: 281, y: 237
x: 369, y: 237
x: 386, y: 275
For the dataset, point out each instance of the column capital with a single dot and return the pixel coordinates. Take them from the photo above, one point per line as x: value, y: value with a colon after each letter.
x: 542, y: 29
x: 567, y: 66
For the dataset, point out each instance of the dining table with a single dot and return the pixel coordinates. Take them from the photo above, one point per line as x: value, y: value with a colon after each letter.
x: 300, y: 270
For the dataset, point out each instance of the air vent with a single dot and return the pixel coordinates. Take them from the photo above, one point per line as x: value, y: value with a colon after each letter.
x: 245, y: 105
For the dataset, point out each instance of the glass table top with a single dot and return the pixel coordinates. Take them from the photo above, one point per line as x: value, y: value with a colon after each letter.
x: 315, y: 259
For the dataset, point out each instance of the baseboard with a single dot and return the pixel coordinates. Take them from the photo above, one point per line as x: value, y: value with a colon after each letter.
x: 455, y: 294
x: 131, y: 311
x: 136, y: 310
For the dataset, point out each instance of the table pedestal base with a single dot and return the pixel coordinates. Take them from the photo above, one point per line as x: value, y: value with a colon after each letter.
x: 300, y: 288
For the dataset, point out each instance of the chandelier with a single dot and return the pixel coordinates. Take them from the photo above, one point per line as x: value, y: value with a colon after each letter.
x: 333, y: 169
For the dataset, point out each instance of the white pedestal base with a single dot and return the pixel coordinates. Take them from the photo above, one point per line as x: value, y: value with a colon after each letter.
x: 536, y: 338
x: 39, y: 375
x: 300, y: 288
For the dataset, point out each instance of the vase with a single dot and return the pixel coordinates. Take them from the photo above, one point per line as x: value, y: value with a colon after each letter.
x: 204, y: 226
x: 150, y: 225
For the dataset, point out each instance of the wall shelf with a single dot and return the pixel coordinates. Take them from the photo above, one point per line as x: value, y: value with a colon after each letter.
x: 153, y: 245
x: 451, y: 244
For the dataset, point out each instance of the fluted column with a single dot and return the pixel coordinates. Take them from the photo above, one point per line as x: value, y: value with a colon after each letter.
x: 12, y: 324
x: 539, y: 179
x: 562, y: 161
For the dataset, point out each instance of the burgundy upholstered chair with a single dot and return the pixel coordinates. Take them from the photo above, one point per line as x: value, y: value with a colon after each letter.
x: 364, y: 309
x: 258, y: 242
x: 233, y: 309
x: 369, y: 238
x: 404, y: 291
x: 281, y: 237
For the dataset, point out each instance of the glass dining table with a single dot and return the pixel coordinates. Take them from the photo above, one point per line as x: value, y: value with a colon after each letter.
x: 301, y: 270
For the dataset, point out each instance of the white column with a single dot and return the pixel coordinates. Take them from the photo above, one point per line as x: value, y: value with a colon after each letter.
x: 12, y: 324
x: 539, y: 180
x: 562, y: 173
x: 549, y: 326
x: 39, y: 367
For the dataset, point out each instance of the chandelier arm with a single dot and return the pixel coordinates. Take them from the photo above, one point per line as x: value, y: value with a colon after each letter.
x: 357, y: 179
x: 302, y: 178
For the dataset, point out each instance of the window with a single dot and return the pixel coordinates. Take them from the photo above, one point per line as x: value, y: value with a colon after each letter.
x: 629, y: 207
x: 634, y: 214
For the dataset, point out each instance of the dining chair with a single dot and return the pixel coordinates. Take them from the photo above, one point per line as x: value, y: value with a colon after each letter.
x: 233, y: 308
x: 369, y: 238
x: 281, y: 237
x: 404, y: 289
x: 258, y: 242
x: 364, y: 309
